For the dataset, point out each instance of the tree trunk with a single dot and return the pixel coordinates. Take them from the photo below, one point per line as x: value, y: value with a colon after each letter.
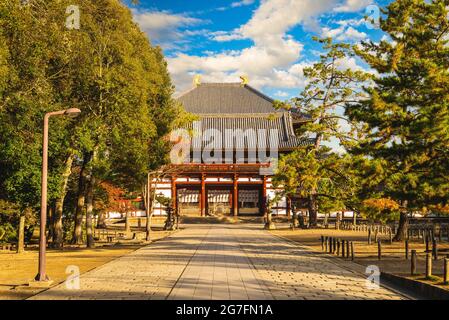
x: 101, y: 221
x: 269, y: 225
x: 337, y: 221
x: 313, y: 212
x: 127, y: 224
x: 89, y: 212
x: 21, y: 235
x: 401, y: 234
x: 79, y: 213
x: 146, y: 198
x: 148, y: 208
x: 50, y: 224
x: 152, y: 200
x: 58, y: 235
x: 294, y: 218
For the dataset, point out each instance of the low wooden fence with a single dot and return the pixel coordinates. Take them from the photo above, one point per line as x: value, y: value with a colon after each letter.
x: 7, y: 246
x: 346, y: 249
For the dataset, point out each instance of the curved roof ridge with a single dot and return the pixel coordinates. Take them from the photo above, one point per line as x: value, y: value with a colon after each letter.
x: 259, y: 93
x: 226, y: 98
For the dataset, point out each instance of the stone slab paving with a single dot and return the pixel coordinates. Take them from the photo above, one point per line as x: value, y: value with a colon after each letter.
x: 292, y: 271
x: 221, y: 262
x: 145, y: 274
x: 220, y: 270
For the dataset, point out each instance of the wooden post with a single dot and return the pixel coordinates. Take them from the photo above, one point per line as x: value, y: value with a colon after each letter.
x: 322, y: 243
x: 325, y: 243
x: 446, y: 271
x: 369, y: 235
x: 330, y: 244
x: 414, y: 261
x: 236, y: 195
x: 406, y: 249
x: 376, y: 235
x: 21, y: 240
x: 334, y: 245
x: 428, y: 265
x: 435, y: 249
x: 338, y: 247
x: 427, y: 243
x: 343, y: 248
x: 352, y: 251
x: 347, y: 249
x: 379, y: 250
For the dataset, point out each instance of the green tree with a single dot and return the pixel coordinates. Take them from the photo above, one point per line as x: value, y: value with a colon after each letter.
x: 27, y: 46
x: 331, y: 177
x: 406, y: 116
x: 330, y: 87
x: 109, y: 70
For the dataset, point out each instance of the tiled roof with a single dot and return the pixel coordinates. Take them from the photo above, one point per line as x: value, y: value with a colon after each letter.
x: 237, y: 106
x: 225, y: 98
x: 231, y: 128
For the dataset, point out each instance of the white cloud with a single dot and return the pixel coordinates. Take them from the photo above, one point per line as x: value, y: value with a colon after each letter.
x: 333, y: 33
x: 225, y: 36
x: 281, y: 94
x: 353, y: 5
x: 350, y: 22
x: 163, y: 27
x: 348, y: 63
x: 272, y: 60
x: 343, y: 33
x: 352, y: 34
x: 242, y: 3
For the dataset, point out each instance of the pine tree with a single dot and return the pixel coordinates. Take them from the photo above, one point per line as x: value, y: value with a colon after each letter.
x: 407, y: 113
x: 330, y: 87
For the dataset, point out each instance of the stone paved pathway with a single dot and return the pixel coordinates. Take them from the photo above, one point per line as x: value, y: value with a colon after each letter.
x: 221, y: 262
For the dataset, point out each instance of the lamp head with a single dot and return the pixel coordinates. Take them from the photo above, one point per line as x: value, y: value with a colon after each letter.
x: 72, y: 112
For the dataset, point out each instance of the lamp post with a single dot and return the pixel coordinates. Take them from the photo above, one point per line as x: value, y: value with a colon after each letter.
x: 147, y: 211
x: 73, y: 112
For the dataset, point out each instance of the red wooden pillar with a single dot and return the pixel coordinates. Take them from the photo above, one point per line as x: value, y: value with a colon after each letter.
x: 236, y: 195
x: 203, y: 196
x: 264, y: 194
x: 173, y: 192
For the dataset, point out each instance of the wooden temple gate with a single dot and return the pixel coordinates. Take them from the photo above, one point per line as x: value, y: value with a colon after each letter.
x: 201, y: 185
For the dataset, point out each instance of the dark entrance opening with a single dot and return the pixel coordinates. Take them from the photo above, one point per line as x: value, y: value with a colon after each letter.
x: 219, y: 200
x: 188, y: 201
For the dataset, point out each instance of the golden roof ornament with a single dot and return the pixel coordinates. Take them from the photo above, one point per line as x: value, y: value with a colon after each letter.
x: 197, y: 80
x: 245, y: 80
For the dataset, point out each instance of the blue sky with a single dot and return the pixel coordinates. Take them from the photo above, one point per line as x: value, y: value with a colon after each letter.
x: 270, y: 41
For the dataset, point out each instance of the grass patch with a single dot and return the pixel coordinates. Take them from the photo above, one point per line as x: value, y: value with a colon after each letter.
x: 16, y: 270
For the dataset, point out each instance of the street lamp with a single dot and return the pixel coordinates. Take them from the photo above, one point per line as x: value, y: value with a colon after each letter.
x: 72, y: 113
